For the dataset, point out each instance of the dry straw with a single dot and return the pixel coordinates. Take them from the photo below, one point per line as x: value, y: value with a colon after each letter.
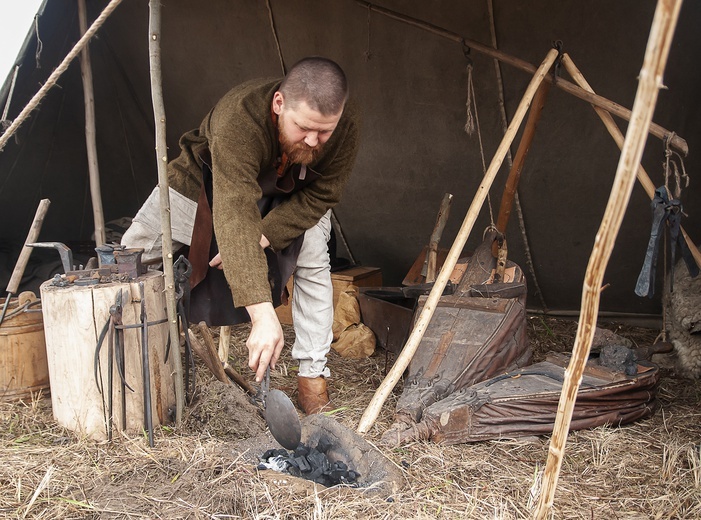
x: 649, y: 469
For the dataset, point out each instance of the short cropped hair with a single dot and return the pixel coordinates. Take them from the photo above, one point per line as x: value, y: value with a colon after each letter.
x: 320, y: 82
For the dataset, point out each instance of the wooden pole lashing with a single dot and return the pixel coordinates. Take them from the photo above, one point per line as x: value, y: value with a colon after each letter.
x: 412, y: 343
x: 162, y: 161
x: 650, y: 81
x: 93, y: 169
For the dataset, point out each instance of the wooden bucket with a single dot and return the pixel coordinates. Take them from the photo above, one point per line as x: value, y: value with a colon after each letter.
x: 23, y: 366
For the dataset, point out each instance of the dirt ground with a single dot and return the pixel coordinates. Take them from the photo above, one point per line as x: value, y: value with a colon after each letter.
x: 206, y: 468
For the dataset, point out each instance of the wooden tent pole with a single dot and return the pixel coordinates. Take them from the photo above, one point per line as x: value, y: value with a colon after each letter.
x: 93, y: 169
x: 650, y: 81
x: 53, y: 78
x: 677, y: 142
x: 154, y: 47
x: 412, y: 343
x: 617, y: 135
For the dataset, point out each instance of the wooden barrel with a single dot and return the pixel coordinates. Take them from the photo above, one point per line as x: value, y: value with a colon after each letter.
x: 23, y: 366
x: 74, y: 317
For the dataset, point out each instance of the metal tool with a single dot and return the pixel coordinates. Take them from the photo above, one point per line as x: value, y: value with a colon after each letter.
x: 129, y: 261
x: 280, y: 414
x: 63, y: 251
x: 182, y: 269
x: 145, y: 368
x: 113, y: 331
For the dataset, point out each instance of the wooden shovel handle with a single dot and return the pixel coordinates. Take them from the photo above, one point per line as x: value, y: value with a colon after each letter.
x: 33, y: 235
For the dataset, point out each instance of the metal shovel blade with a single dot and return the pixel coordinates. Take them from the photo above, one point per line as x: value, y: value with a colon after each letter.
x: 282, y: 419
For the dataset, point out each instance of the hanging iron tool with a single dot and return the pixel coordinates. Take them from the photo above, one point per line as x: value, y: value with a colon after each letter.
x: 145, y: 368
x: 113, y: 331
x: 116, y: 315
x: 670, y: 212
x: 182, y: 269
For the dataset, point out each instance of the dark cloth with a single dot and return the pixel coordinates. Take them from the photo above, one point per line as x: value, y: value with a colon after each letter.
x: 211, y: 299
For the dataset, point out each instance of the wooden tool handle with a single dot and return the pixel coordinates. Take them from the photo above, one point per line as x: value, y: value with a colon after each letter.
x: 27, y: 250
x: 432, y: 253
x: 507, y: 199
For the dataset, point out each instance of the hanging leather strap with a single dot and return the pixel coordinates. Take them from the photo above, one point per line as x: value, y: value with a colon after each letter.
x: 201, y: 239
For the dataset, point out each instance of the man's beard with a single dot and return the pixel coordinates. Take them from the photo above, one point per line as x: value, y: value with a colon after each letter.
x: 297, y: 153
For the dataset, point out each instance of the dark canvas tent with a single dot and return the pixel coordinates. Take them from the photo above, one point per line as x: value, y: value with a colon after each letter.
x: 412, y: 85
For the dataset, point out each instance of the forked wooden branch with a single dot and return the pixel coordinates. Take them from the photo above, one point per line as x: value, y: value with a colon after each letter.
x: 412, y: 343
x: 650, y: 81
x: 154, y: 48
x: 617, y: 135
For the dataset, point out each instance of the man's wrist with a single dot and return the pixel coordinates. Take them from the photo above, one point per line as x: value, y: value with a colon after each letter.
x: 258, y: 311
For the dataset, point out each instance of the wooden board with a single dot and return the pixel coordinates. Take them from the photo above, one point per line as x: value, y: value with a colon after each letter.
x: 73, y: 319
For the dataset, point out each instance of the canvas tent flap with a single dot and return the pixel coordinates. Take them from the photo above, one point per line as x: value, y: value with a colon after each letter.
x: 412, y: 86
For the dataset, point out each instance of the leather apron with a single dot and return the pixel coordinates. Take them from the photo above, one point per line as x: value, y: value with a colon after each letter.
x: 210, y: 299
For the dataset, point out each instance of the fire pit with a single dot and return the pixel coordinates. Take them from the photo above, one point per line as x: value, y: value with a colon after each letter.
x: 350, y: 458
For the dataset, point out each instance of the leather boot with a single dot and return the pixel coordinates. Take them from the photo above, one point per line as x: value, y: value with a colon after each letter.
x: 312, y: 395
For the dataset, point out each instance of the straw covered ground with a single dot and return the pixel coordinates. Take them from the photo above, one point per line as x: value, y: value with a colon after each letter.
x: 649, y: 469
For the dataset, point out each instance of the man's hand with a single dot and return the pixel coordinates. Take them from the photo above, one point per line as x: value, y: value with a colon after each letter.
x: 216, y: 261
x: 266, y: 339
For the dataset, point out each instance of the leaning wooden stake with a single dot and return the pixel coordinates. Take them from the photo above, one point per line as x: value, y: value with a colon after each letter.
x: 373, y: 409
x: 154, y: 29
x: 93, y: 169
x: 617, y: 135
x: 650, y: 81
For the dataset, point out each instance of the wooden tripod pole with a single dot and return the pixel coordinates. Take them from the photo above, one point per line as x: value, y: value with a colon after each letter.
x: 412, y: 343
x: 617, y: 135
x: 93, y: 169
x: 154, y: 46
x: 650, y: 81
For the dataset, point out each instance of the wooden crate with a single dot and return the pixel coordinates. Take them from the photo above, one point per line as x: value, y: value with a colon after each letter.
x: 359, y: 276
